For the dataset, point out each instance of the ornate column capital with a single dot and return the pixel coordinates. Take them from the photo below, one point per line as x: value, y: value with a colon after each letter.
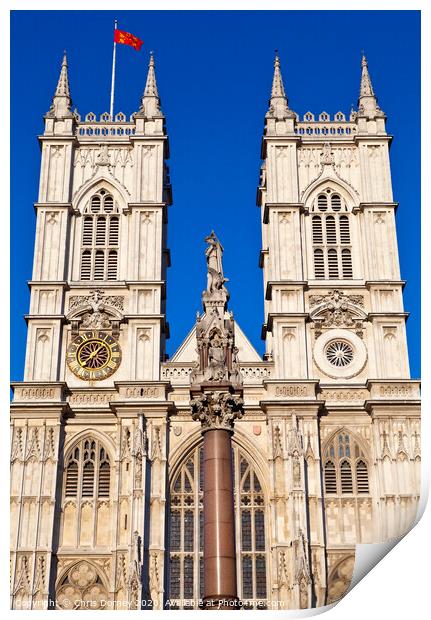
x: 216, y: 410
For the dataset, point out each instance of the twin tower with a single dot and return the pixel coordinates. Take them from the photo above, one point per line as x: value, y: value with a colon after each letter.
x: 109, y: 499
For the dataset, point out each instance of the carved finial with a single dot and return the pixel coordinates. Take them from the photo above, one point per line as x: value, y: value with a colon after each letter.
x: 150, y: 102
x: 366, y: 88
x: 367, y: 102
x: 62, y: 101
x: 277, y: 80
x: 278, y: 103
x: 151, y: 85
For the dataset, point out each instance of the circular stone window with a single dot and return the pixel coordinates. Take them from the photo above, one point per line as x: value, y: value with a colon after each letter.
x: 339, y: 353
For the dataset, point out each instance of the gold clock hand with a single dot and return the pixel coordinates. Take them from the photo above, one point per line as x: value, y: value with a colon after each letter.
x: 95, y: 352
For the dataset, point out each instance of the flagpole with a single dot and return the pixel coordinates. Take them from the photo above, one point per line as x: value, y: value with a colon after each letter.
x: 114, y: 56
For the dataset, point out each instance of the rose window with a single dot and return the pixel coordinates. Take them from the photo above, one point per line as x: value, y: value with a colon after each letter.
x: 339, y: 353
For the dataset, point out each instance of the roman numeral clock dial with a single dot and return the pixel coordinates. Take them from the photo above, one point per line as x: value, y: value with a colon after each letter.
x: 93, y: 355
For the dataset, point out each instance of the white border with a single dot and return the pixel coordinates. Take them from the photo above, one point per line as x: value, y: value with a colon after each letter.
x: 398, y: 586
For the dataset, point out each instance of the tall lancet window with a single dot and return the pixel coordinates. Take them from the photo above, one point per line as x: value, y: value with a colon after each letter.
x: 100, y: 238
x: 331, y: 237
x: 86, y: 495
x: 346, y: 467
x: 186, y: 571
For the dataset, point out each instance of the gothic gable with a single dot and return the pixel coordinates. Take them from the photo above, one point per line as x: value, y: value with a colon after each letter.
x: 186, y: 352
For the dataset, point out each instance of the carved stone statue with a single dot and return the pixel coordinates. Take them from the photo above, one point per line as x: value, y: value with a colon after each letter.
x: 216, y: 360
x: 214, y: 253
x: 235, y: 375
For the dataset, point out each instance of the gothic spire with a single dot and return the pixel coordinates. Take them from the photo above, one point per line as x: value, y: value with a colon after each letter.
x: 151, y: 85
x: 277, y: 80
x: 150, y: 102
x: 63, y: 80
x: 278, y: 103
x: 367, y: 102
x: 62, y: 101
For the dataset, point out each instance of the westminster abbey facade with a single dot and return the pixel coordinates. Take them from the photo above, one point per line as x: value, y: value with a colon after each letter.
x: 106, y: 459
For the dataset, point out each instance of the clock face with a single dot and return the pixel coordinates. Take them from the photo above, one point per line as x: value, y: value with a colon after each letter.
x: 93, y: 355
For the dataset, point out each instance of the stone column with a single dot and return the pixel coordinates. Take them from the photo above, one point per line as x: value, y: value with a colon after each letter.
x: 217, y: 411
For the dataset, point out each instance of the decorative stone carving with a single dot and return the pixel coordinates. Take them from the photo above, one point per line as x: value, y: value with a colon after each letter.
x: 337, y: 310
x: 282, y: 576
x: 82, y: 589
x: 98, y: 311
x: 139, y: 442
x: 154, y: 577
x: 103, y: 156
x: 401, y: 445
x: 277, y: 447
x: 417, y: 444
x: 217, y: 354
x: 49, y: 449
x: 156, y: 444
x: 309, y: 454
x: 121, y: 575
x: 301, y: 561
x: 295, y: 452
x: 96, y: 299
x: 23, y: 575
x: 33, y: 446
x: 386, y: 451
x: 327, y: 156
x: 303, y: 594
x: 95, y: 320
x: 125, y: 451
x: 216, y: 410
x: 340, y: 578
x: 40, y: 576
x: 17, y: 448
x: 134, y: 587
x: 138, y: 471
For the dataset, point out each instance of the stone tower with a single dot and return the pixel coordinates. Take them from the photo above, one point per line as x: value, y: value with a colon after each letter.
x: 334, y: 324
x: 96, y: 337
x: 108, y: 459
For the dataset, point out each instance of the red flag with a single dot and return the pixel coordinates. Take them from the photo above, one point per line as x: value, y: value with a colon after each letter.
x: 120, y: 36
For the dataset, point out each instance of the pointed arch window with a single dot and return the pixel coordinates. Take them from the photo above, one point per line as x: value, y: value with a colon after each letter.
x: 86, y: 506
x: 331, y: 238
x: 346, y: 468
x: 100, y: 239
x: 186, y: 569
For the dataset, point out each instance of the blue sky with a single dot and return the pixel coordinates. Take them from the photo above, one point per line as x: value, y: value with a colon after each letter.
x: 214, y: 71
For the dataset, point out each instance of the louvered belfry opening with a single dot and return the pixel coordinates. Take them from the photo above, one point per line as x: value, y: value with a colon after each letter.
x: 100, y: 239
x: 331, y: 238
